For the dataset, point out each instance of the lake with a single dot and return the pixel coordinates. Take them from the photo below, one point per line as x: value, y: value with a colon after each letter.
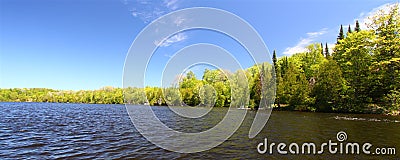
x: 88, y: 131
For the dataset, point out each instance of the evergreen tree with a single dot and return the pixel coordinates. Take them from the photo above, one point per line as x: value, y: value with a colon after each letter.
x: 274, y: 59
x: 326, y: 50
x: 357, y: 28
x: 341, y: 36
x: 349, y: 30
x: 322, y: 49
x: 277, y: 76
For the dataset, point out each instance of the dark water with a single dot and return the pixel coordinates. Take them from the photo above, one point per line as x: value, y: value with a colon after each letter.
x: 87, y: 131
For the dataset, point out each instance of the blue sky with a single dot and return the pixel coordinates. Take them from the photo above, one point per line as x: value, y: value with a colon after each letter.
x: 82, y: 44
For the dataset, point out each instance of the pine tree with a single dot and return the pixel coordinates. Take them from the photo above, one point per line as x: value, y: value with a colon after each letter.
x: 274, y: 59
x: 349, y: 30
x: 326, y: 50
x: 341, y: 36
x: 284, y: 66
x: 278, y: 79
x: 357, y: 29
x: 322, y: 49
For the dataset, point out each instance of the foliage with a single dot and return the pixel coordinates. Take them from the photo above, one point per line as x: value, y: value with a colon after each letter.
x: 353, y: 55
x: 392, y: 101
x: 386, y: 54
x: 106, y: 95
x: 328, y: 87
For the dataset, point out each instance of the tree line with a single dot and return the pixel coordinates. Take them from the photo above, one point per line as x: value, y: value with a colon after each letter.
x: 361, y: 75
x: 105, y: 95
x: 216, y: 88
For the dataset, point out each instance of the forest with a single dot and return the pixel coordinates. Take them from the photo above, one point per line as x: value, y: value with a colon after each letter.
x: 360, y: 75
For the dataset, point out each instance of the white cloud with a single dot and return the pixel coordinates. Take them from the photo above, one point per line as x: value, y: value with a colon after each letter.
x: 304, y: 42
x: 313, y: 36
x: 179, y: 21
x: 171, y: 4
x: 148, y: 10
x: 364, y: 18
x: 319, y: 33
x: 167, y: 55
x: 174, y: 39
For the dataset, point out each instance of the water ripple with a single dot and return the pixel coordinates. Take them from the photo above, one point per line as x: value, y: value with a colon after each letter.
x: 83, y: 131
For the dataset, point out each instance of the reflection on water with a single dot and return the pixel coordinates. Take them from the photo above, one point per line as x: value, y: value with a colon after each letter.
x: 59, y: 131
x: 374, y: 119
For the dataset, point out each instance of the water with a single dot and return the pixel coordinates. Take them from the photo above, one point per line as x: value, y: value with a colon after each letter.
x: 60, y: 131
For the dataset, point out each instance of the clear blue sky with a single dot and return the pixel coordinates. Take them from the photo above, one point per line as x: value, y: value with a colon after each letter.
x: 82, y: 44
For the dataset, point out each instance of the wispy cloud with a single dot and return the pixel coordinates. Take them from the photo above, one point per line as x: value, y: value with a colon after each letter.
x: 167, y: 55
x: 149, y: 10
x: 179, y: 21
x: 171, y: 4
x: 364, y: 17
x: 313, y: 37
x: 174, y: 39
x: 319, y: 33
x: 304, y: 42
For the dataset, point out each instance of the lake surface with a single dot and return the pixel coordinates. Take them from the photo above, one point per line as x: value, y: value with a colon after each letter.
x: 79, y: 131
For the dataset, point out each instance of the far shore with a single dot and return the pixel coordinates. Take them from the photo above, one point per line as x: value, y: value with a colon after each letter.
x: 283, y: 107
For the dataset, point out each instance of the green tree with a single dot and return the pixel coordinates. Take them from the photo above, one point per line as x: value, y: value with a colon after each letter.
x: 353, y: 55
x: 274, y: 60
x: 341, y: 35
x: 357, y: 28
x: 322, y: 50
x: 189, y: 89
x: 296, y: 87
x: 207, y: 95
x: 392, y: 102
x: 310, y: 60
x: 327, y: 54
x: 349, y: 30
x: 278, y: 79
x: 386, y: 54
x: 240, y: 89
x: 328, y: 87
